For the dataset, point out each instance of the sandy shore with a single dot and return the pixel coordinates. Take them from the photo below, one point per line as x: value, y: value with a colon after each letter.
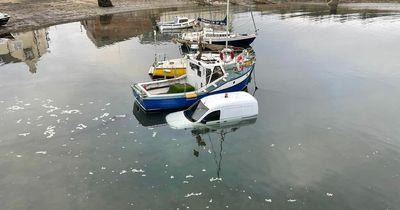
x: 31, y: 14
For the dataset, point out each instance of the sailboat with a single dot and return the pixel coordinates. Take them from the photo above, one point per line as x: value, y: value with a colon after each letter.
x: 218, y: 37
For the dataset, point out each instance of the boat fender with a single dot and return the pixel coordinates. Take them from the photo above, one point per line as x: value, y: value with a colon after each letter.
x: 240, y: 63
x: 226, y: 55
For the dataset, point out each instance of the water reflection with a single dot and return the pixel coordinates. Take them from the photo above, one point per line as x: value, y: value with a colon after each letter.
x: 322, y: 13
x: 149, y: 119
x: 215, y: 137
x: 25, y: 47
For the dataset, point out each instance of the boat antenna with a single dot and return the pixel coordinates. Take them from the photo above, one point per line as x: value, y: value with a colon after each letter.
x: 227, y: 23
x: 155, y: 46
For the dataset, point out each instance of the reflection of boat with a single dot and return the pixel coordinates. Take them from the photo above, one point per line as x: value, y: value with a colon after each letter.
x: 168, y: 68
x: 211, y: 36
x: 4, y: 18
x: 149, y: 118
x: 178, y: 23
x: 205, y: 75
x: 204, y: 135
x: 215, y: 109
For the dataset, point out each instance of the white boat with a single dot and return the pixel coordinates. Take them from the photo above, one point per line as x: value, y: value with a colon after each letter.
x: 218, y: 37
x: 177, y: 23
x: 214, y: 110
x: 4, y: 18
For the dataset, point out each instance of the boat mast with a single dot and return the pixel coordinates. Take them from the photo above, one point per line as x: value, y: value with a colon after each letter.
x: 227, y: 23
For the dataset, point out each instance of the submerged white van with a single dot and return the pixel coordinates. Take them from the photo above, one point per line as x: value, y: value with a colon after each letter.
x: 214, y: 109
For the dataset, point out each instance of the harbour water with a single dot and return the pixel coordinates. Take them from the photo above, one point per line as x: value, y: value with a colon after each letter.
x: 326, y: 136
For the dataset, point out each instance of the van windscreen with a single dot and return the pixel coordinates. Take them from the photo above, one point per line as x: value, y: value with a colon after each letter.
x: 196, y: 111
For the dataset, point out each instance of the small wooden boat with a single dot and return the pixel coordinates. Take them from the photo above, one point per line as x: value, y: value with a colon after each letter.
x: 4, y: 18
x: 168, y: 68
x: 205, y: 75
x: 178, y: 23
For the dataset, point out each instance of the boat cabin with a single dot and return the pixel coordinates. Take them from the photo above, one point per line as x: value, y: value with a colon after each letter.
x: 214, y: 109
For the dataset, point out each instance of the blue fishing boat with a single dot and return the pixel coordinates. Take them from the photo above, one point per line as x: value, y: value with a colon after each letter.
x: 206, y: 74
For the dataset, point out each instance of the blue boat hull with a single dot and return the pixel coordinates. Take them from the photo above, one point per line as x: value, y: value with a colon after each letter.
x: 151, y: 104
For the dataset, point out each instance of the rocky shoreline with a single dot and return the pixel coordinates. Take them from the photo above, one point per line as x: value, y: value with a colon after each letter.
x: 33, y: 14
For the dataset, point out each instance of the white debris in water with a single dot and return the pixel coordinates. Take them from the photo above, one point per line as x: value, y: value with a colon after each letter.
x: 329, y: 194
x: 39, y: 117
x: 143, y: 174
x: 50, y: 107
x: 72, y: 111
x: 215, y: 179
x: 105, y: 115
x: 50, y: 131
x: 210, y: 201
x: 53, y: 115
x: 150, y: 128
x: 131, y: 132
x: 41, y: 152
x: 209, y: 151
x: 122, y: 172
x: 18, y: 156
x: 185, y: 182
x: 203, y: 170
x: 15, y: 108
x: 154, y: 134
x: 120, y: 116
x: 268, y: 200
x: 91, y: 173
x: 192, y: 194
x: 291, y: 200
x: 103, y: 168
x: 249, y: 197
x: 272, y: 145
x: 24, y: 134
x: 18, y: 121
x: 81, y: 126
x: 27, y: 104
x: 189, y: 176
x: 95, y: 119
x: 137, y: 171
x: 91, y: 102
x: 171, y: 177
x: 108, y: 104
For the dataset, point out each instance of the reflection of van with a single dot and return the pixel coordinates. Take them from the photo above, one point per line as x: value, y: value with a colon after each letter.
x: 218, y: 108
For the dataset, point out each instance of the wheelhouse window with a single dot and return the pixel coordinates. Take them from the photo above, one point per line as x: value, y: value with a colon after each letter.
x: 208, y: 75
x: 217, y: 73
x: 196, y: 111
x: 194, y: 67
x: 183, y: 20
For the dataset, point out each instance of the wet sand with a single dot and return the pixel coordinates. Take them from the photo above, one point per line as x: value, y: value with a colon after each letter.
x: 31, y: 14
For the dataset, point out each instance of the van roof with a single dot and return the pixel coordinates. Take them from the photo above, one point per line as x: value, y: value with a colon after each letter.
x: 233, y: 98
